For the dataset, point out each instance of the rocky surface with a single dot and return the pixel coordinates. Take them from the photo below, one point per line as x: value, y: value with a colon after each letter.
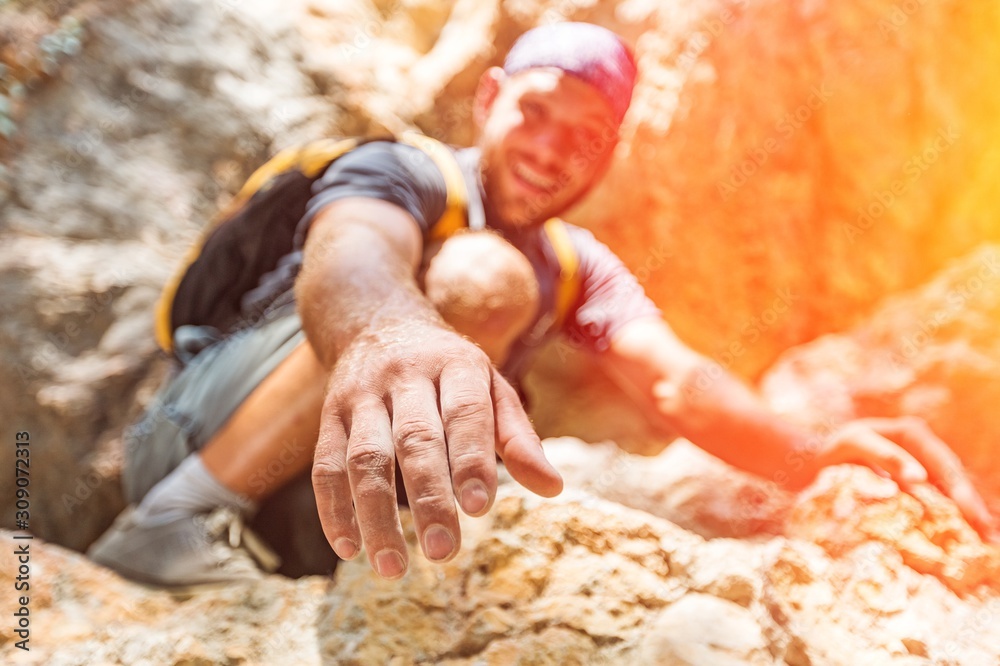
x: 124, y: 126
x: 683, y: 484
x: 578, y: 580
x: 933, y: 352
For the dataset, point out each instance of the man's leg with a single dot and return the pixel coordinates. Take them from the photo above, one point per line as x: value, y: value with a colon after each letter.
x: 485, y: 289
x: 271, y: 436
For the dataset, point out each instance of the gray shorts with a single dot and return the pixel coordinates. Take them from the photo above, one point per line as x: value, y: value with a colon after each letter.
x: 196, y: 402
x: 191, y: 407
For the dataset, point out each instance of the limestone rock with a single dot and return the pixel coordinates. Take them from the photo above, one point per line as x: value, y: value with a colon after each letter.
x: 575, y: 580
x: 850, y: 506
x: 682, y: 484
x: 82, y: 613
x: 933, y: 352
x: 701, y: 630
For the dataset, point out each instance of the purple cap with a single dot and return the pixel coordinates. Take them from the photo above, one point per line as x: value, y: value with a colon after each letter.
x: 587, y: 51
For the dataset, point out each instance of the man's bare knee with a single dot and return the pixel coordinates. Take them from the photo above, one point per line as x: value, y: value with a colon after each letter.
x: 483, y: 287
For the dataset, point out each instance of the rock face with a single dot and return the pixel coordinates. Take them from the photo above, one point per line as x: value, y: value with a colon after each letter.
x: 683, y: 484
x: 850, y: 507
x: 577, y: 580
x: 933, y: 352
x: 121, y: 162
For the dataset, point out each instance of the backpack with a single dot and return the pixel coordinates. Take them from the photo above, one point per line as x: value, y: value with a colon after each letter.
x: 232, y: 256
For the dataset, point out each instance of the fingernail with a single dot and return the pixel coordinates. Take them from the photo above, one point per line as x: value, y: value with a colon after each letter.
x: 914, y: 474
x: 345, y: 548
x: 438, y: 543
x: 474, y: 497
x: 389, y: 564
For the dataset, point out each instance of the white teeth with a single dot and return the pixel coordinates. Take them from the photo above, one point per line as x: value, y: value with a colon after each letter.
x: 533, y: 178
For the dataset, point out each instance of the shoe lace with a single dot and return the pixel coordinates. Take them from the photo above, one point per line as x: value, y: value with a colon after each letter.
x: 228, y: 521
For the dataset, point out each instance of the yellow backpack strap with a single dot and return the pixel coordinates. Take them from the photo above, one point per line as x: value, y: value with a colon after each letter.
x: 568, y: 288
x: 309, y: 159
x: 456, y: 207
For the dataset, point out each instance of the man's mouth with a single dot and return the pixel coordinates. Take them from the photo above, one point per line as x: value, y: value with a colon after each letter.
x: 533, y: 178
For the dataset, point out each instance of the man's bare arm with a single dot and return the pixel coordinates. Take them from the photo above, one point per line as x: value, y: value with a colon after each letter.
x: 404, y: 388
x: 719, y: 413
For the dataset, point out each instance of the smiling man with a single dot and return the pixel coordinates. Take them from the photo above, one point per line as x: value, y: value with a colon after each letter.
x: 388, y: 361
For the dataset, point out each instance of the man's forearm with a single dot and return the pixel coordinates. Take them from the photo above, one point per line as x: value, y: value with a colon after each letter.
x: 356, y: 274
x: 688, y: 394
x: 720, y: 414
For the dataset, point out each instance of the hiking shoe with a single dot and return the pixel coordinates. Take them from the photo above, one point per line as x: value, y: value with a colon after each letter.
x: 190, y: 551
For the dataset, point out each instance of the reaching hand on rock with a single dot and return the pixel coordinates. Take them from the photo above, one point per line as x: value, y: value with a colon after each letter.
x: 430, y: 400
x: 908, y: 450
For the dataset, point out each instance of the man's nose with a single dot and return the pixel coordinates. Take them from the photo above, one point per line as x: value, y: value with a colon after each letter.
x: 552, y: 145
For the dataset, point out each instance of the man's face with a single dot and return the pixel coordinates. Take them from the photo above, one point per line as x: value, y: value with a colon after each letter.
x: 546, y: 136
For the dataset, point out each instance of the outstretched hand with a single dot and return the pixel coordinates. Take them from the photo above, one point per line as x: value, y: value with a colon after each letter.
x: 430, y: 400
x: 908, y: 450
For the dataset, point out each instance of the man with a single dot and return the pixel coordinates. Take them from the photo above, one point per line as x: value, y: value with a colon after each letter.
x: 388, y: 365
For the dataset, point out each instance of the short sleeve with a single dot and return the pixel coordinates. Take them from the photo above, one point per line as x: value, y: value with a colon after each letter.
x: 610, y: 297
x: 394, y: 172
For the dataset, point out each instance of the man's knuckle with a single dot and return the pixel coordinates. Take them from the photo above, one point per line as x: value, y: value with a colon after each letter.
x: 327, y: 474
x: 417, y: 434
x: 466, y: 405
x: 917, y: 426
x: 400, y: 365
x: 368, y: 457
x: 432, y: 504
x: 473, y: 462
x: 426, y: 480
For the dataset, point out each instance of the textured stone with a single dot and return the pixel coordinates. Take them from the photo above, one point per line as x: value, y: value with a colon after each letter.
x: 84, y: 614
x: 850, y: 506
x: 701, y: 630
x: 682, y: 484
x: 576, y: 580
x: 933, y: 352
